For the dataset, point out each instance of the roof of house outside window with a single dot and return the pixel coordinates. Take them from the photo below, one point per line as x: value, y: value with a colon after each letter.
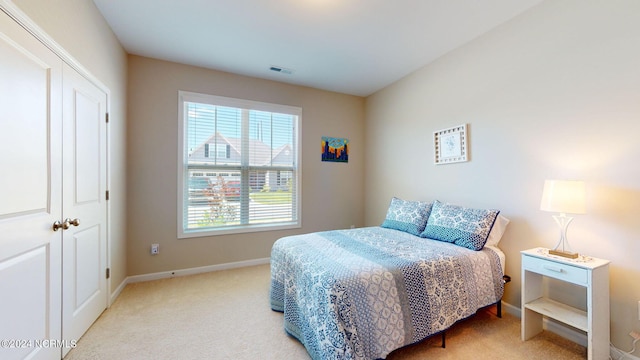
x: 261, y: 153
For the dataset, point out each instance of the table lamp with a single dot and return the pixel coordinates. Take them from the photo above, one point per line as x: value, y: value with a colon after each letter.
x: 563, y: 196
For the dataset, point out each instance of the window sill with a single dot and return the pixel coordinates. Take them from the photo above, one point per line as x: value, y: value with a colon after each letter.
x: 196, y: 233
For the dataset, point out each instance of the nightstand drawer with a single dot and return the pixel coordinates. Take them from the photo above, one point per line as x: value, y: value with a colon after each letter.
x: 556, y: 270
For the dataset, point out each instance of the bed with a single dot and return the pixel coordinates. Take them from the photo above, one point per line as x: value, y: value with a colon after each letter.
x: 362, y: 293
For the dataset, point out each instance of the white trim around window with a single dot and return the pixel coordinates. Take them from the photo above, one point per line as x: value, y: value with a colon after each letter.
x: 247, y: 193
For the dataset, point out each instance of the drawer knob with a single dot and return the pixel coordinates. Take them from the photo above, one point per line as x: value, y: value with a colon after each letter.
x: 552, y: 268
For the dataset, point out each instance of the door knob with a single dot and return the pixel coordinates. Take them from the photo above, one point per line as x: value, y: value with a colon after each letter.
x: 65, y: 224
x: 57, y: 225
x: 68, y: 222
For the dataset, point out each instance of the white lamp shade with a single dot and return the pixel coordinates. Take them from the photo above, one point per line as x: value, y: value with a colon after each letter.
x: 563, y: 196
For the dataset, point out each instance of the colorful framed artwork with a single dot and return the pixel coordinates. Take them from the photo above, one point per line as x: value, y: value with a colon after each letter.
x: 335, y: 149
x: 450, y: 145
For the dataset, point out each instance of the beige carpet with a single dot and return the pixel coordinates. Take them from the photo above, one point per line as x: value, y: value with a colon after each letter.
x: 226, y: 315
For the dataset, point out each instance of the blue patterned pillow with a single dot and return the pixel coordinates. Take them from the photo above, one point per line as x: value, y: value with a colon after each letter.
x: 407, y: 216
x: 459, y: 225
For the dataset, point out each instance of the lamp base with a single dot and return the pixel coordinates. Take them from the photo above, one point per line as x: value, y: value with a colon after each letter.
x: 567, y: 254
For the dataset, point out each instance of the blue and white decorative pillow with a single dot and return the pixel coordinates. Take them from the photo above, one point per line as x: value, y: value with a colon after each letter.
x: 462, y: 226
x: 407, y: 216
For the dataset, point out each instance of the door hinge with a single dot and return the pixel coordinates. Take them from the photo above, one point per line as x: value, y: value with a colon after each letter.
x: 107, y: 117
x: 107, y: 194
x: 108, y: 273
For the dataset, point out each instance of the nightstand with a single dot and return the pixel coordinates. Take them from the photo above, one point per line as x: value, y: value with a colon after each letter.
x: 591, y: 273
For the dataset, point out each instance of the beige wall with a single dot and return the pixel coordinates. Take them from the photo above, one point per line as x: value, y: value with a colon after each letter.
x: 80, y: 29
x: 554, y: 93
x: 332, y: 193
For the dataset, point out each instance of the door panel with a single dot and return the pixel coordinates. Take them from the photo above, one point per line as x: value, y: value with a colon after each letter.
x: 85, y: 173
x: 25, y: 278
x: 25, y: 91
x: 30, y: 193
x: 87, y: 275
x: 87, y: 141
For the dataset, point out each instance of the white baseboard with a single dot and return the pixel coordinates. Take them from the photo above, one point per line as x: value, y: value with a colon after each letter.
x: 182, y: 272
x: 513, y: 310
x: 566, y: 332
x: 116, y: 293
x: 197, y: 270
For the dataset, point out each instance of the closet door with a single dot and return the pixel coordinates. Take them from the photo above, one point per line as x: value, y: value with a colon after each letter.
x: 84, y: 204
x: 30, y: 195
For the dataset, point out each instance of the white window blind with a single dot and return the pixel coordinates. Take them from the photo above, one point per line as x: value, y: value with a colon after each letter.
x: 240, y: 166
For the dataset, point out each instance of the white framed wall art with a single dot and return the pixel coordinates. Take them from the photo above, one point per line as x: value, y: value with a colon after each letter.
x: 450, y: 145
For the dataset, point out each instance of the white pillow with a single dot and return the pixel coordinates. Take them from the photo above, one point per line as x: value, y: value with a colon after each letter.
x: 497, y: 230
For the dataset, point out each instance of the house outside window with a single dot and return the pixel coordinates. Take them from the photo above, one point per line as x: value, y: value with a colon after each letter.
x: 253, y: 150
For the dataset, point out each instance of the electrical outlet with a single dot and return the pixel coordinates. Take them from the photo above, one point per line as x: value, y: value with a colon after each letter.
x: 635, y: 335
x: 155, y: 249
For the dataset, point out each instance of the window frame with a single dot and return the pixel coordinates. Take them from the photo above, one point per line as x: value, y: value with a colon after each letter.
x: 183, y: 169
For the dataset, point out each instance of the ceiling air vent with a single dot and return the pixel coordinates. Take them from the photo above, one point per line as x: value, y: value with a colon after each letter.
x: 281, y: 70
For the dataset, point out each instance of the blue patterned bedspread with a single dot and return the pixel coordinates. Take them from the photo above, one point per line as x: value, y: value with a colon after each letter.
x: 362, y: 293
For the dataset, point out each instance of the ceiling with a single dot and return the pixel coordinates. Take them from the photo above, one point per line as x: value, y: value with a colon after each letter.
x: 349, y: 46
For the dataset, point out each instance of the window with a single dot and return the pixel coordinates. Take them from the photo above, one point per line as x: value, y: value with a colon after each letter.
x: 222, y: 151
x: 240, y: 166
